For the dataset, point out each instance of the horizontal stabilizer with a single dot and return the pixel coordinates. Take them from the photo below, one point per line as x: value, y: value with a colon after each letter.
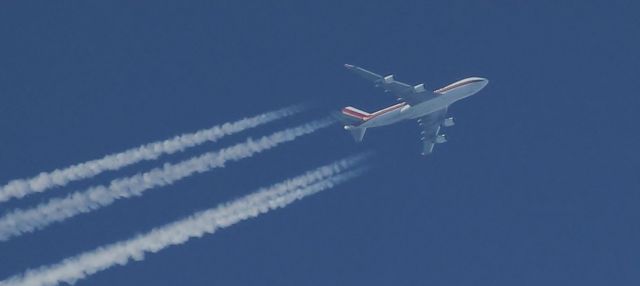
x: 356, y: 132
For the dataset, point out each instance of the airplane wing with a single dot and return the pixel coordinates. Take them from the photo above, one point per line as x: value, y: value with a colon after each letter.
x: 410, y: 94
x: 430, y: 125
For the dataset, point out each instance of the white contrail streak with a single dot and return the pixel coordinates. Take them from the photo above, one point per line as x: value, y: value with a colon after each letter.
x: 60, y: 177
x: 21, y: 221
x: 205, y: 222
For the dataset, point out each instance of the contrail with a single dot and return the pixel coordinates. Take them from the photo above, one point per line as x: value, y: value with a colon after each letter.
x: 21, y: 221
x: 204, y: 222
x: 60, y: 177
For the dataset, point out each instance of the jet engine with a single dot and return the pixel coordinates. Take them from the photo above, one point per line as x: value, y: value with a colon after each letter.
x: 440, y: 139
x: 388, y: 79
x: 419, y: 88
x: 448, y: 122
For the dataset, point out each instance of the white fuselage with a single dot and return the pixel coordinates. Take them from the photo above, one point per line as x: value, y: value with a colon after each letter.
x: 442, y: 99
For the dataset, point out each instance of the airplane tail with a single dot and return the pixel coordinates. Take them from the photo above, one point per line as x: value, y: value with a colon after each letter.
x: 356, y: 132
x: 355, y: 113
x: 352, y: 118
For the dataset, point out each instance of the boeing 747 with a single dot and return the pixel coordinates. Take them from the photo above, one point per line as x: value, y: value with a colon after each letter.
x: 429, y: 108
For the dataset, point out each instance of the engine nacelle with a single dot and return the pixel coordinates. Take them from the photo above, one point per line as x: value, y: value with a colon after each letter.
x: 440, y: 139
x: 405, y: 108
x: 388, y: 79
x: 448, y: 122
x: 419, y: 88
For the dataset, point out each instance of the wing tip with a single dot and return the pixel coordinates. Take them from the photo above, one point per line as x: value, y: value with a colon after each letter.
x: 349, y: 66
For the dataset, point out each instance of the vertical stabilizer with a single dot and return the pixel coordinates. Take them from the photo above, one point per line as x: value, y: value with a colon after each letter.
x: 356, y: 113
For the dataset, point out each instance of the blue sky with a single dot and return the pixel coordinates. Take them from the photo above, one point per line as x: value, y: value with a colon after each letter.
x: 538, y: 183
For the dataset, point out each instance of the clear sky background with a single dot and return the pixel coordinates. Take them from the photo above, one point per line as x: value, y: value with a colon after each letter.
x: 538, y: 184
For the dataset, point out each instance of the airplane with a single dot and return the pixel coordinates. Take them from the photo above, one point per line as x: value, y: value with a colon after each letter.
x: 429, y: 108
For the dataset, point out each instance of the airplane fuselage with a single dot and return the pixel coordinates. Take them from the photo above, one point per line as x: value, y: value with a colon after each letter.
x: 442, y: 99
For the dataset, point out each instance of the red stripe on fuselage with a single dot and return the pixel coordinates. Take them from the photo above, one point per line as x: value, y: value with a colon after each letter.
x: 388, y: 109
x: 364, y: 117
x: 455, y: 85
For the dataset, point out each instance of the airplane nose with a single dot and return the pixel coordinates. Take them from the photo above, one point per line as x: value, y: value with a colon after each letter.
x: 483, y: 82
